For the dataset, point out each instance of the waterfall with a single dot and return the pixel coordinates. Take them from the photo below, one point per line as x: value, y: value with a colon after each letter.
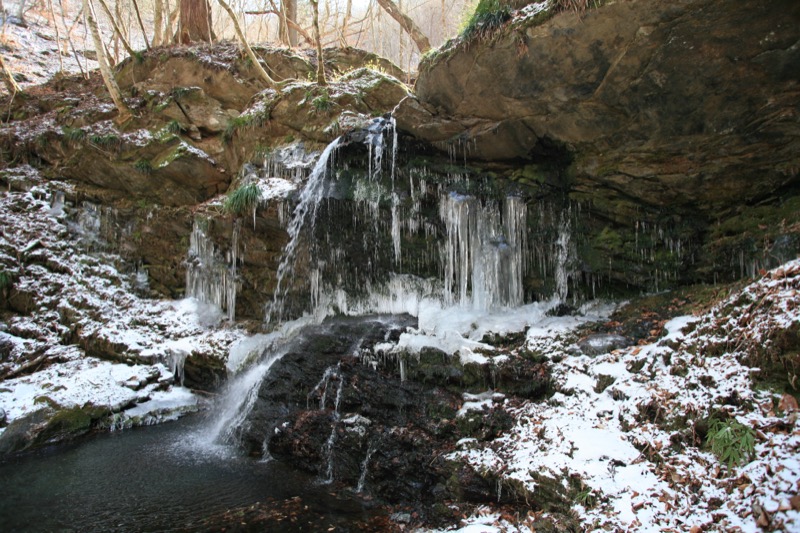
x: 210, y: 278
x: 304, y: 214
x: 238, y: 399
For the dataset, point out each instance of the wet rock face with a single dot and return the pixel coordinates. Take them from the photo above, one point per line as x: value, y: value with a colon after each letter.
x: 681, y: 115
x: 358, y: 425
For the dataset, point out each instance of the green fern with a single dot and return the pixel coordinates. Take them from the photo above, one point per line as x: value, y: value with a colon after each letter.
x: 179, y: 92
x: 322, y: 103
x: 243, y: 199
x: 254, y: 120
x: 731, y: 441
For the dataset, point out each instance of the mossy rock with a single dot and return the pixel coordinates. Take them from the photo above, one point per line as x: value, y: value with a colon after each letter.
x: 50, y: 425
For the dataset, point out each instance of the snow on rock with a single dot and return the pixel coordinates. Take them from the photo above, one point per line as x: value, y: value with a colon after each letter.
x: 458, y: 330
x: 627, y: 425
x: 76, y: 317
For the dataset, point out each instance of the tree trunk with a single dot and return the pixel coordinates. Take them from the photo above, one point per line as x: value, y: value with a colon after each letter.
x: 246, y: 45
x: 171, y: 20
x: 158, y: 20
x: 320, y: 59
x: 8, y: 78
x: 408, y: 25
x: 105, y: 70
x: 195, y: 22
x: 288, y: 22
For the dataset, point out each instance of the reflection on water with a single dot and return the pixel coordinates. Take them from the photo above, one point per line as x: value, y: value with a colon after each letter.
x: 155, y: 479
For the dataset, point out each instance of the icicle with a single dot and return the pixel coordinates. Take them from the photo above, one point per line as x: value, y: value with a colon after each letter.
x: 483, y: 256
x: 209, y: 278
x: 563, y: 257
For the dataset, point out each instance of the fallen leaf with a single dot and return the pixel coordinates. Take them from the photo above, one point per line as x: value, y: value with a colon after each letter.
x: 696, y: 529
x: 795, y: 502
x: 788, y: 404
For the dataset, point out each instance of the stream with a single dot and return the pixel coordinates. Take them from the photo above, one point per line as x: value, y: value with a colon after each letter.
x: 161, y: 478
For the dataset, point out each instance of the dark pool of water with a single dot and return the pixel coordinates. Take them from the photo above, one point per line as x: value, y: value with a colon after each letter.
x: 162, y: 478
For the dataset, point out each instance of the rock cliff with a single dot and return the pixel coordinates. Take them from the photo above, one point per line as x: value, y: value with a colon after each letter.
x: 681, y: 115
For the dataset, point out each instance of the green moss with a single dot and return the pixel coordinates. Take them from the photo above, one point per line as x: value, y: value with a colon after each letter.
x: 609, y: 240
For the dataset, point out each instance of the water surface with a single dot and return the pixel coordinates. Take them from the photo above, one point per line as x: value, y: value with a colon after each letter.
x: 162, y: 478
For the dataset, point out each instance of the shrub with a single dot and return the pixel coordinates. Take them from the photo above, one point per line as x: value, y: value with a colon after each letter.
x: 731, y: 441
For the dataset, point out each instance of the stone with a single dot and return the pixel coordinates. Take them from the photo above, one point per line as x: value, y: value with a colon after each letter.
x: 601, y: 343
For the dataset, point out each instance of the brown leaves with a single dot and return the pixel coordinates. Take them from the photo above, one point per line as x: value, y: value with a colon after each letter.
x: 788, y: 404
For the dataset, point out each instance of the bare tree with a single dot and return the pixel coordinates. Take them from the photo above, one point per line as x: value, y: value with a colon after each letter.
x: 284, y: 20
x: 263, y: 73
x: 117, y: 30
x: 105, y: 70
x: 408, y: 25
x: 141, y: 24
x: 320, y: 59
x: 345, y: 23
x: 195, y: 22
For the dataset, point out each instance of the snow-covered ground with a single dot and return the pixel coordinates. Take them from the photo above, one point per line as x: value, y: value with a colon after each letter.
x: 623, y: 425
x: 68, y: 297
x: 33, y: 52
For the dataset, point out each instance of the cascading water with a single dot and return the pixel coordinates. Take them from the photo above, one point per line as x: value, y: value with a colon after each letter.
x: 362, y: 478
x: 304, y: 214
x: 332, y: 374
